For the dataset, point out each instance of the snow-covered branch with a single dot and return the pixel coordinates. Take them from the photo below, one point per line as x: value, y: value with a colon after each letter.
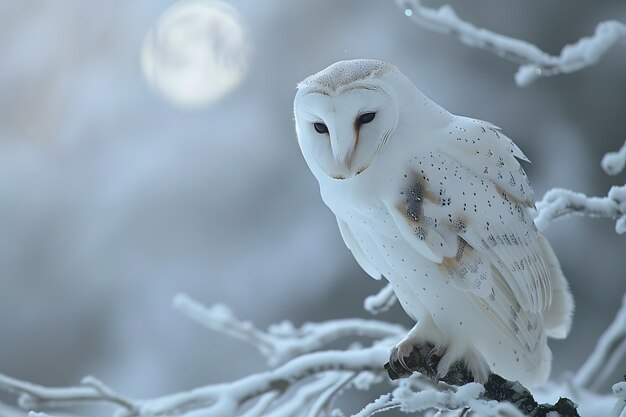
x: 613, y: 162
x: 90, y: 390
x: 311, y: 381
x: 607, y: 355
x: 283, y: 342
x: 380, y: 302
x: 558, y: 202
x: 535, y: 63
x: 324, y: 370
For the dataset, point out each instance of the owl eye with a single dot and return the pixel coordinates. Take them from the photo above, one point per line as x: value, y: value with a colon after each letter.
x: 366, y: 118
x: 320, y: 128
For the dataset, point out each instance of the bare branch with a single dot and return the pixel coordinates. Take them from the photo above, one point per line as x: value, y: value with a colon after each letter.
x: 608, y: 353
x: 535, y: 62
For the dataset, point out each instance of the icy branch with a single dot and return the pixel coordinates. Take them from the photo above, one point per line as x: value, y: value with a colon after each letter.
x: 607, y: 355
x: 535, y: 62
x: 284, y: 341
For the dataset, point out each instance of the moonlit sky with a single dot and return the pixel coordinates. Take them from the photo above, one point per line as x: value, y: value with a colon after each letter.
x: 114, y: 198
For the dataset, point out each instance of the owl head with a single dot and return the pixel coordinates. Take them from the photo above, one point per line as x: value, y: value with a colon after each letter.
x: 347, y: 113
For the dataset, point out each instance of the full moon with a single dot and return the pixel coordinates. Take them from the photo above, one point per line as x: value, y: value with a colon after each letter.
x: 196, y: 53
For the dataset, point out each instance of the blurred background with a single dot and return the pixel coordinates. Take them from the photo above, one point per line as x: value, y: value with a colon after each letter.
x: 123, y: 183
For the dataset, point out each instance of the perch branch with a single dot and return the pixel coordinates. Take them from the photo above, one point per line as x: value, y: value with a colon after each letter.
x: 535, y: 63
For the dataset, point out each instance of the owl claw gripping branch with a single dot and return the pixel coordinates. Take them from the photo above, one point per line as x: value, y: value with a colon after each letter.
x: 438, y: 205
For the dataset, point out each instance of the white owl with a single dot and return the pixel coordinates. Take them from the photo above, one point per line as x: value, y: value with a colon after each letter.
x: 438, y: 205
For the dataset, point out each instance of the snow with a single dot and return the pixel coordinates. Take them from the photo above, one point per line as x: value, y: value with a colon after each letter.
x: 559, y: 202
x: 381, y: 301
x: 583, y: 53
x: 613, y: 162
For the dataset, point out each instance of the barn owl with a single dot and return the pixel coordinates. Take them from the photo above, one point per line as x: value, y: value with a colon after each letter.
x: 437, y: 204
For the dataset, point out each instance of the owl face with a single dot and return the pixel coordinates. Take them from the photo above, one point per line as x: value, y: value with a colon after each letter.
x: 342, y: 130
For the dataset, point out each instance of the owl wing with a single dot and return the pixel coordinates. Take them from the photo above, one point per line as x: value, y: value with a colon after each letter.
x: 465, y: 208
x: 356, y: 250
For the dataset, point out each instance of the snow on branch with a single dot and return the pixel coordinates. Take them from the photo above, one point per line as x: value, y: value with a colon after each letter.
x: 283, y: 342
x: 324, y: 370
x: 310, y: 382
x: 535, y: 62
x: 558, y: 202
x: 613, y: 162
x: 380, y: 302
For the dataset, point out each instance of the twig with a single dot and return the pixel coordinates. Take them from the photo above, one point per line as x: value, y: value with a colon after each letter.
x: 613, y: 162
x: 380, y: 302
x: 33, y: 395
x: 284, y: 342
x: 607, y: 354
x: 558, y: 202
x: 381, y: 404
x: 535, y: 62
x: 322, y: 404
x: 222, y: 400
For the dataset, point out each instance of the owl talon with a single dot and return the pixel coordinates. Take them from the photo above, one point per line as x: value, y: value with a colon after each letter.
x: 397, y: 367
x: 406, y: 358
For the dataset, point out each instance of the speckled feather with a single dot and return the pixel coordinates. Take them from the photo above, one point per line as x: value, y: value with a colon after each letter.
x: 440, y: 209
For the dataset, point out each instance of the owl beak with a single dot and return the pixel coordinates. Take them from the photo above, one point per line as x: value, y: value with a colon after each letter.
x: 343, y: 146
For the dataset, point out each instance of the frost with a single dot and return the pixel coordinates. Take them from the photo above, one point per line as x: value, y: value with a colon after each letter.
x: 312, y: 379
x: 558, y: 202
x: 535, y: 62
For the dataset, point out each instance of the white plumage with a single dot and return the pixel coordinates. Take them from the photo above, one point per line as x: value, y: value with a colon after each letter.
x: 438, y: 205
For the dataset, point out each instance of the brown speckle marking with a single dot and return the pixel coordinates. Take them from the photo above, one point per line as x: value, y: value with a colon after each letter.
x: 413, y: 204
x: 508, y: 197
x: 452, y: 264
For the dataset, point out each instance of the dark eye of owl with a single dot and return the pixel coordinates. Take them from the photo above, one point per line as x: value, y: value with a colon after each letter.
x: 320, y: 128
x: 366, y: 118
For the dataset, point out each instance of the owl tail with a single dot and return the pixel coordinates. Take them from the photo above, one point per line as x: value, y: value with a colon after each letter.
x: 557, y: 318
